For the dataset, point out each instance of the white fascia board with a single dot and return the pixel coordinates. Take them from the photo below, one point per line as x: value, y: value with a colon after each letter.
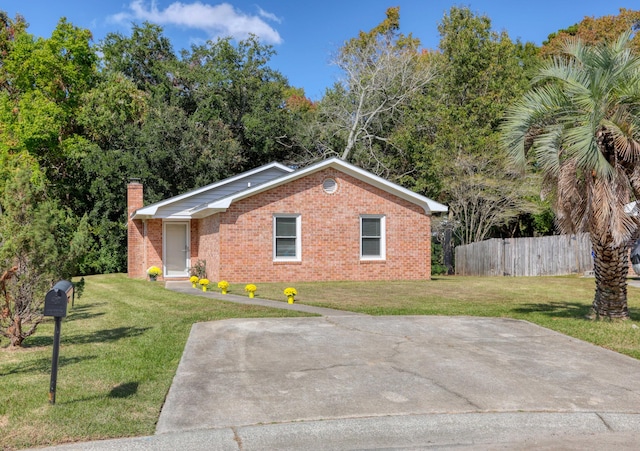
x: 136, y: 215
x: 150, y: 211
x: 177, y: 216
x: 218, y: 206
x: 429, y: 205
x: 204, y: 212
x: 437, y: 207
x: 145, y: 212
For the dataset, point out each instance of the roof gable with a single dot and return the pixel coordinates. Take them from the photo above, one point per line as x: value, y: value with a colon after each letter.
x: 213, y: 200
x: 180, y: 206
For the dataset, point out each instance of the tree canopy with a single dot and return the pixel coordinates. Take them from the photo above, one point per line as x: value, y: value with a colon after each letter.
x: 81, y: 118
x: 594, y: 30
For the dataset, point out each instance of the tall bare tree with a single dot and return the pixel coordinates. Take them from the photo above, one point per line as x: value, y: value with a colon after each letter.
x: 485, y: 194
x: 381, y: 70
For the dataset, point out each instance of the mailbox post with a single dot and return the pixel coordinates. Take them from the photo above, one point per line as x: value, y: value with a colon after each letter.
x: 55, y: 304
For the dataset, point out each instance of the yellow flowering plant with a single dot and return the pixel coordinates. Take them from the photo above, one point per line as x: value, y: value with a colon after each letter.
x: 223, y: 285
x: 290, y: 291
x: 251, y: 288
x: 154, y: 271
x: 194, y: 279
x: 204, y: 282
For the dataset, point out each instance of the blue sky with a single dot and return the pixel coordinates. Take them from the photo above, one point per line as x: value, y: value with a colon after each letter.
x: 304, y: 33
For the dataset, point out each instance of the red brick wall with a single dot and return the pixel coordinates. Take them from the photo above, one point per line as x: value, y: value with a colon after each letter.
x: 144, y: 241
x: 330, y: 234
x: 238, y: 245
x: 135, y: 230
x: 153, y: 245
x: 207, y: 243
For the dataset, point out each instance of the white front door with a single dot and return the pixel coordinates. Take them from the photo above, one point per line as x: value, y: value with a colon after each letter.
x: 176, y: 249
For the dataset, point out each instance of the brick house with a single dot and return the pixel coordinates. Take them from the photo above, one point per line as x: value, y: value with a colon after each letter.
x: 328, y: 221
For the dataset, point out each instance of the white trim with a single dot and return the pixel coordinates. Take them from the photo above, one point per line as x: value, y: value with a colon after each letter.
x: 383, y: 238
x: 187, y: 225
x: 298, y: 256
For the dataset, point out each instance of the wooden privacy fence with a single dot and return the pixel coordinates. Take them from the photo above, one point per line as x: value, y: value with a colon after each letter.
x: 542, y: 256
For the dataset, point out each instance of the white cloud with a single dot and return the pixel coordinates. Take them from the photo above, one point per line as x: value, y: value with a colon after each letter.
x: 216, y: 20
x: 269, y: 16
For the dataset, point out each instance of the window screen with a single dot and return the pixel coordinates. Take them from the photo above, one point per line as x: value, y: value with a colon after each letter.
x: 286, y: 237
x: 372, y: 237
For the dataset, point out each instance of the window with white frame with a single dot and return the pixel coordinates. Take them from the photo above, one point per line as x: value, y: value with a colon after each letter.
x: 286, y: 237
x: 372, y: 233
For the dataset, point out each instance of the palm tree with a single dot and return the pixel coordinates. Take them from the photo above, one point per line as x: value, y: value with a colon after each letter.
x: 580, y: 125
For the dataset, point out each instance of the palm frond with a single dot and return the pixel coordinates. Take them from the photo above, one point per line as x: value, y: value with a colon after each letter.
x: 547, y: 148
x: 529, y: 118
x: 623, y: 41
x: 570, y: 202
x: 569, y: 74
x: 624, y: 131
x: 634, y: 181
x: 580, y: 141
x: 608, y: 199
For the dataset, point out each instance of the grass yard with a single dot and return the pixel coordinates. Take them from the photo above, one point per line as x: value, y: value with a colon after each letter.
x: 120, y: 348
x: 122, y: 342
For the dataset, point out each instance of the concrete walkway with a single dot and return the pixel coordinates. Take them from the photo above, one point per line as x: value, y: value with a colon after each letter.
x: 186, y: 288
x: 414, y: 382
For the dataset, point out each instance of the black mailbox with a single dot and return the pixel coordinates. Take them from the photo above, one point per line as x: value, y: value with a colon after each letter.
x: 55, y: 302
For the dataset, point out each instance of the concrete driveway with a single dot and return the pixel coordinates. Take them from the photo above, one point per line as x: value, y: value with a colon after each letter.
x: 347, y: 382
x: 359, y: 382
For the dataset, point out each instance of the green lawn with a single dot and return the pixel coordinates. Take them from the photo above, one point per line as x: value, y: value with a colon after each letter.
x: 122, y: 342
x: 120, y: 348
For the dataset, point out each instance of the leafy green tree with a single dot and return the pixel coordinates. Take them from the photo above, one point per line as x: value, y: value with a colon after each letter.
x: 453, y: 128
x: 303, y: 127
x: 481, y: 70
x: 115, y: 102
x: 593, y: 30
x: 580, y: 124
x: 233, y: 84
x: 42, y: 83
x: 10, y: 29
x: 198, y: 152
x: 40, y: 243
x: 143, y: 57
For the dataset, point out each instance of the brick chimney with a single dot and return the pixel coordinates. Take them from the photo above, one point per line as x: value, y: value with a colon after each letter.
x: 135, y: 231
